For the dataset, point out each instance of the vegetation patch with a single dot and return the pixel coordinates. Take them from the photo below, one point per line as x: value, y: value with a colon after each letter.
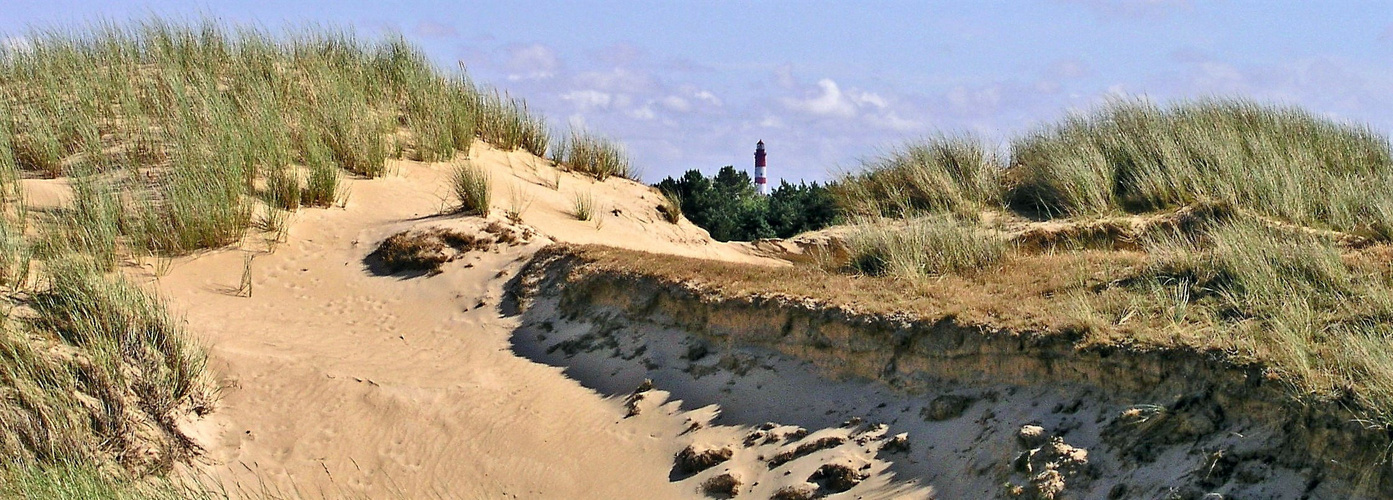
x: 96, y: 371
x: 425, y: 251
x: 594, y: 155
x: 941, y: 174
x: 1138, y: 156
x: 173, y: 130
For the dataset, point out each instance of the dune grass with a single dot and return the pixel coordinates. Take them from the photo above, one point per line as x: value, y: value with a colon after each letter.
x: 670, y: 207
x: 181, y: 121
x: 1137, y: 156
x: 583, y: 205
x: 135, y: 370
x: 473, y: 188
x: 1259, y: 265
x: 83, y: 481
x: 920, y: 248
x: 595, y: 155
x: 958, y: 174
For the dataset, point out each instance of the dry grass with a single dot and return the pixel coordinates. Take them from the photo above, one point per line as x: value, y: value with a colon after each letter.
x: 425, y: 251
x: 519, y: 200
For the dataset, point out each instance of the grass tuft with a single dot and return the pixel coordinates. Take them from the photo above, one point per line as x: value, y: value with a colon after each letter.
x: 473, y: 188
x: 670, y: 207
x: 594, y: 155
x: 583, y: 206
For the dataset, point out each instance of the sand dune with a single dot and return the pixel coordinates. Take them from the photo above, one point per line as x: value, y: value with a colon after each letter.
x: 337, y: 382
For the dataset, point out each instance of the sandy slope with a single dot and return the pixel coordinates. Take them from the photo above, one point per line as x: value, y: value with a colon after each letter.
x: 338, y: 382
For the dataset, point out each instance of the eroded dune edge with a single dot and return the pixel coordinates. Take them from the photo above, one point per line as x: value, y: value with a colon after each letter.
x: 987, y: 412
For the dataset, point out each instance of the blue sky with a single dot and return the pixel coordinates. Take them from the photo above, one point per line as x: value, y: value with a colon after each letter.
x: 824, y: 84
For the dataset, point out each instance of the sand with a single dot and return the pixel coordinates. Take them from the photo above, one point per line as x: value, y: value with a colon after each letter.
x: 338, y: 382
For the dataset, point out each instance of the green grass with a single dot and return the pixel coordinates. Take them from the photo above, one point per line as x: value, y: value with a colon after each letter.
x: 920, y: 248
x: 192, y: 118
x: 473, y: 188
x: 594, y: 155
x: 583, y: 206
x: 1282, y: 162
x: 86, y: 481
x: 956, y: 174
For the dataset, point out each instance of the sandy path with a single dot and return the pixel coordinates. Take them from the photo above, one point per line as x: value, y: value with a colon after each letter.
x: 337, y: 382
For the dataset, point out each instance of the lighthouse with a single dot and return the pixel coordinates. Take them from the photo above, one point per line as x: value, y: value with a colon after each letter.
x: 761, y: 181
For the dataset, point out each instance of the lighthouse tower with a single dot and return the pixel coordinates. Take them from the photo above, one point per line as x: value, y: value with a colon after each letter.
x: 761, y: 181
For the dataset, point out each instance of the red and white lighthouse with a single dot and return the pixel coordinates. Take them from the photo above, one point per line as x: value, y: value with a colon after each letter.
x: 761, y: 181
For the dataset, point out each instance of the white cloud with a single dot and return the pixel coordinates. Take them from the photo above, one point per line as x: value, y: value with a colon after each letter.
x: 644, y: 113
x: 866, y: 98
x: 893, y: 121
x: 531, y: 62
x: 617, y: 80
x: 707, y: 96
x: 589, y: 99
x: 829, y: 102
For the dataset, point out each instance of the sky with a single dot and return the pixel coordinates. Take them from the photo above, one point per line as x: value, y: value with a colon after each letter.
x: 694, y: 84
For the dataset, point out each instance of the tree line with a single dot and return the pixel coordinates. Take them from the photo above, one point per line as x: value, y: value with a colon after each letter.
x: 728, y: 206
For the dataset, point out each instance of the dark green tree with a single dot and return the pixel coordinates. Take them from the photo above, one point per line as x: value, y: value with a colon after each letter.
x: 728, y: 206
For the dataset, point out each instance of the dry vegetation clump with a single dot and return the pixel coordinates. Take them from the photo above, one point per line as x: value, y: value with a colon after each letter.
x: 691, y: 460
x: 725, y: 485
x: 426, y: 250
x: 594, y: 155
